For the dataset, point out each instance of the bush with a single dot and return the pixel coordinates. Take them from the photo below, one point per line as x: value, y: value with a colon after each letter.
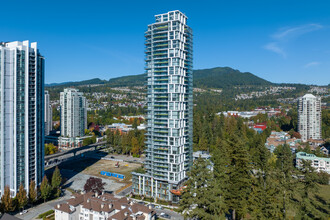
x: 140, y: 170
x: 45, y: 214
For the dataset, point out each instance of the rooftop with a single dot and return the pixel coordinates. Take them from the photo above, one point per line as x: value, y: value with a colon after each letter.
x: 308, y: 96
x: 106, y: 203
x: 306, y: 156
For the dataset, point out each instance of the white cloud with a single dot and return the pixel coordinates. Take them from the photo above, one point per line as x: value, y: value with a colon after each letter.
x: 311, y: 64
x: 296, y: 31
x: 275, y: 48
x: 283, y: 36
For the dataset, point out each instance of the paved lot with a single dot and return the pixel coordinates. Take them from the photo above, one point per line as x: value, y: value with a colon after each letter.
x: 173, y: 215
x: 76, y: 181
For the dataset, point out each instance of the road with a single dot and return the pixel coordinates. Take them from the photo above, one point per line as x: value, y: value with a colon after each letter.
x: 125, y: 192
x: 126, y: 158
x: 55, y: 159
x: 44, y: 207
x: 172, y: 214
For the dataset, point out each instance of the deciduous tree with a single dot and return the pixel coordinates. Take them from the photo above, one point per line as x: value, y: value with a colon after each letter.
x: 32, y: 192
x: 94, y: 185
x: 56, y: 182
x: 7, y: 203
x: 45, y: 189
x: 21, y: 196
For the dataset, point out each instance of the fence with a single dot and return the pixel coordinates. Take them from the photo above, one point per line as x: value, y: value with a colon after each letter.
x: 112, y: 174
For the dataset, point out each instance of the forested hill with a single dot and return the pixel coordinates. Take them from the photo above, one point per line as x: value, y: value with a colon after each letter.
x: 219, y: 77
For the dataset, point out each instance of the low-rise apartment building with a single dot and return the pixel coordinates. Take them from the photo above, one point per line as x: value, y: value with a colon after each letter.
x: 319, y: 163
x: 91, y: 206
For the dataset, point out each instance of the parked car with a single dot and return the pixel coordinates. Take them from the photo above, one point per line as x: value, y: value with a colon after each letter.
x: 160, y: 207
x: 164, y: 215
x: 151, y: 205
x: 23, y: 212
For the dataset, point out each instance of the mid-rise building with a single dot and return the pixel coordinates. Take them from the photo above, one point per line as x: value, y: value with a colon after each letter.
x: 21, y: 115
x: 48, y: 114
x: 73, y: 113
x: 170, y: 107
x: 309, y: 117
x: 319, y: 163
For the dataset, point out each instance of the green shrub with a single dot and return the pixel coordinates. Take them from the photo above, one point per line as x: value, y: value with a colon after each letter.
x: 45, y: 214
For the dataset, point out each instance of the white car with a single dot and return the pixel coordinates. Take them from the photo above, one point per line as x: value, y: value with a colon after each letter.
x: 23, y: 212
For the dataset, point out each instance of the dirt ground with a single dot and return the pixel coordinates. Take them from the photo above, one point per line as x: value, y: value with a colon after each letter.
x: 109, y: 166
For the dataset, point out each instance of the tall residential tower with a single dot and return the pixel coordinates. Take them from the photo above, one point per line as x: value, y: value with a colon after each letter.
x: 170, y: 107
x: 21, y: 115
x: 309, y: 117
x: 73, y: 113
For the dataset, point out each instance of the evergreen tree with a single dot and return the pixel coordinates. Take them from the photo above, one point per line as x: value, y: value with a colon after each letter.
x: 310, y: 208
x: 32, y: 192
x: 135, y: 147
x: 56, y: 182
x: 7, y: 203
x: 21, y: 197
x: 135, y: 123
x: 264, y: 201
x: 203, y: 145
x: 240, y: 178
x: 197, y: 198
x: 285, y: 174
x: 45, y: 189
x: 220, y: 161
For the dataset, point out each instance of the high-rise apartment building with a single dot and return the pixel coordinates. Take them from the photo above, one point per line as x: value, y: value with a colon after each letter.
x: 21, y: 115
x: 48, y: 114
x: 73, y: 113
x: 309, y: 117
x: 169, y: 100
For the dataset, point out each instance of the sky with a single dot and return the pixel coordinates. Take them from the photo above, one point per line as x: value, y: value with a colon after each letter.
x: 281, y: 41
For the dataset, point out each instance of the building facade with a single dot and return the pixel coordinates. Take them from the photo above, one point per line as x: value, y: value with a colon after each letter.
x: 90, y: 205
x: 73, y: 113
x: 319, y: 163
x: 169, y: 100
x: 309, y: 117
x: 21, y: 115
x: 48, y: 114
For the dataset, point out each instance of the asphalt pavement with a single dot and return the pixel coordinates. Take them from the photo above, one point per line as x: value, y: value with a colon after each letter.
x: 44, y: 207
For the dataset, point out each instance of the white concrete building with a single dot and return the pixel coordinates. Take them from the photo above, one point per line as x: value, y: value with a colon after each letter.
x: 48, y: 114
x: 73, y: 113
x: 92, y: 206
x: 169, y: 59
x: 21, y: 115
x: 309, y: 117
x: 319, y: 163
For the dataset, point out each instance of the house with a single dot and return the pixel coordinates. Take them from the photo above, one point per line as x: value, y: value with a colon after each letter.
x: 279, y: 138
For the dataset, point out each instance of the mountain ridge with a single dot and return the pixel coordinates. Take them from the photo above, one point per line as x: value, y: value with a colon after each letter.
x: 217, y: 77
